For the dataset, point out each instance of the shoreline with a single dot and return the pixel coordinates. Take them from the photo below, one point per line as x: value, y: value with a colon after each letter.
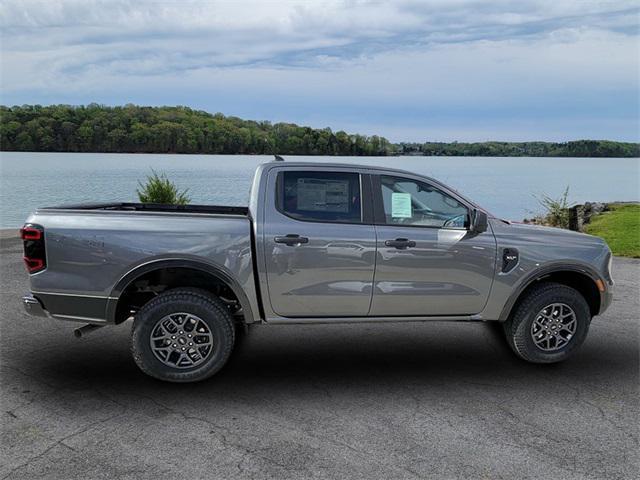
x: 389, y: 155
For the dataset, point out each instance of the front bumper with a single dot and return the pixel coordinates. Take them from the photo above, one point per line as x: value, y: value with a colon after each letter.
x: 606, y: 298
x: 33, y: 306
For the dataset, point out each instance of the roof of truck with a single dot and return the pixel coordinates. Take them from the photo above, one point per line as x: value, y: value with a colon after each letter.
x: 280, y: 163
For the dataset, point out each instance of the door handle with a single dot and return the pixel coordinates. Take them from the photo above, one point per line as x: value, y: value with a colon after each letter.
x: 291, y: 239
x: 400, y: 243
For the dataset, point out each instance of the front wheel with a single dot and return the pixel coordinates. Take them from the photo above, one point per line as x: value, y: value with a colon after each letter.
x: 182, y: 335
x: 549, y: 324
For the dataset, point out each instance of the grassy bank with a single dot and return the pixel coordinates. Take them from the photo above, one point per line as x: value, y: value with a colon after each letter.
x: 620, y: 227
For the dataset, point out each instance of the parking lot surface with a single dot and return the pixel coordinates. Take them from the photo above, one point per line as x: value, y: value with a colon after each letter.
x: 420, y: 400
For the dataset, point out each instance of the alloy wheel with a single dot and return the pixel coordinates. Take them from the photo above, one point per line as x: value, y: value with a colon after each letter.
x: 181, y: 340
x: 554, y: 327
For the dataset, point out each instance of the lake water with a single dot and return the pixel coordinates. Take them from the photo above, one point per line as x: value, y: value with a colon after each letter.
x: 503, y: 185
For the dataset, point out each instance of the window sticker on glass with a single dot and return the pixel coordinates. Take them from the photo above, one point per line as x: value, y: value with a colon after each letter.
x: 322, y: 195
x: 401, y: 205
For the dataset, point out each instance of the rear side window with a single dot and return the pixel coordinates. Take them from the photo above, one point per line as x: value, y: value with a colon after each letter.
x: 320, y: 196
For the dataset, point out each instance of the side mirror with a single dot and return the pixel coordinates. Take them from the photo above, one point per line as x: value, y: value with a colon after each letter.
x: 479, y: 221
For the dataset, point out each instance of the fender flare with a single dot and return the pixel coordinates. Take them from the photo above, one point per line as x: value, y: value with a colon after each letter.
x: 537, y: 274
x: 173, y: 262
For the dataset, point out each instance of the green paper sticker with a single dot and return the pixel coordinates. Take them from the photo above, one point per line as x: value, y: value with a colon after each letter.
x: 401, y: 205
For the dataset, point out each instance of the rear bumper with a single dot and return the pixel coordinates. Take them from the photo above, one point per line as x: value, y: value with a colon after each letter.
x: 33, y: 306
x: 72, y: 308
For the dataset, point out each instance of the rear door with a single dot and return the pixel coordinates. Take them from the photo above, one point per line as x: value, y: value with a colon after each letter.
x: 319, y: 242
x: 428, y: 263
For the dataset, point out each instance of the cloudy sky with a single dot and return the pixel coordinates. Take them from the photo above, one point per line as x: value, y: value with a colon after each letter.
x: 409, y: 70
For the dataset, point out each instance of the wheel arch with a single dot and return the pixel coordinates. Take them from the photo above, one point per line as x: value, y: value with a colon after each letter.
x: 579, y: 277
x: 214, y: 272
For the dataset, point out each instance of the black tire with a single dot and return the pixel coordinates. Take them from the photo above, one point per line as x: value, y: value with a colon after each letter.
x: 518, y: 327
x: 193, y: 301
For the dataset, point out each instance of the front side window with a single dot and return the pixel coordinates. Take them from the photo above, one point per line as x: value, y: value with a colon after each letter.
x: 410, y: 202
x: 320, y: 196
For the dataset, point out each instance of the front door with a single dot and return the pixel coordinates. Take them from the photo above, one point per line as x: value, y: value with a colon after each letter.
x: 428, y: 261
x: 319, y: 243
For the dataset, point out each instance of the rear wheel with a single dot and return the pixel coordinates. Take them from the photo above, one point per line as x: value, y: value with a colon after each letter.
x: 549, y: 324
x: 182, y: 335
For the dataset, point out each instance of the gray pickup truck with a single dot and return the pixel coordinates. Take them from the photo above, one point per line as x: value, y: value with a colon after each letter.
x: 318, y: 243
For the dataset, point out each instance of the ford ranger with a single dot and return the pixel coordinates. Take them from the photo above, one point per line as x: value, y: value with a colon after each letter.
x: 318, y: 243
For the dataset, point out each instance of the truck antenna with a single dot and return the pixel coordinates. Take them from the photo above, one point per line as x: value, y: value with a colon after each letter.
x: 278, y: 158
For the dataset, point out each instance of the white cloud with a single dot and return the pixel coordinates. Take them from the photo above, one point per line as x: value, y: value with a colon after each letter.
x: 427, y: 59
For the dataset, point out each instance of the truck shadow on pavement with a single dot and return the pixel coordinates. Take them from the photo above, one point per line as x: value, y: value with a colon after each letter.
x: 283, y: 360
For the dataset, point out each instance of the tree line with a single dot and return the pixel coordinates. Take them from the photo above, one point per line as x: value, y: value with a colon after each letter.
x: 136, y: 129
x: 578, y: 148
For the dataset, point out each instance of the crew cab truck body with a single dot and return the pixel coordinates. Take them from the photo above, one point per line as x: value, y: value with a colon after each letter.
x: 318, y: 243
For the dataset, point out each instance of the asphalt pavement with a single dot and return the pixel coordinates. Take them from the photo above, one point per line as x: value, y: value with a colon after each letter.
x: 420, y: 400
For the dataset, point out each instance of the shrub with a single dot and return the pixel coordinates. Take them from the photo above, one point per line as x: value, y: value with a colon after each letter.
x: 556, y: 209
x: 159, y: 189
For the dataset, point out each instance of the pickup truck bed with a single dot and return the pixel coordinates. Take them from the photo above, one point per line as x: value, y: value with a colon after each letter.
x: 99, y: 253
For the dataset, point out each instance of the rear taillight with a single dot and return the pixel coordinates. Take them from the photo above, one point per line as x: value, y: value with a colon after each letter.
x: 34, y: 250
